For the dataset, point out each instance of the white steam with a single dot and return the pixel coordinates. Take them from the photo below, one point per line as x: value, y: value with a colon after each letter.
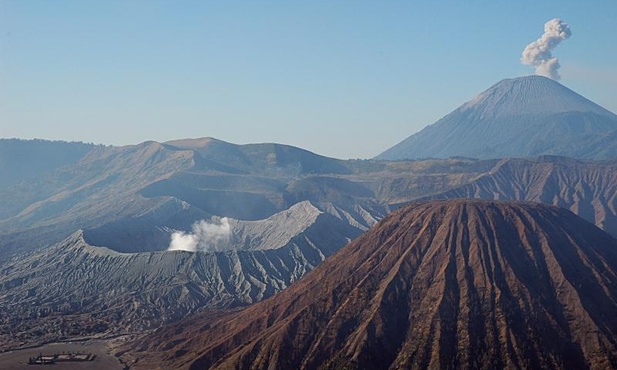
x: 205, y: 236
x: 538, y: 53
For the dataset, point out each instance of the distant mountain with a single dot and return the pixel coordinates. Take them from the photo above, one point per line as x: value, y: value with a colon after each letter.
x: 74, y: 289
x: 459, y: 284
x: 521, y: 117
x: 267, y: 158
x: 101, y: 187
x: 128, y: 198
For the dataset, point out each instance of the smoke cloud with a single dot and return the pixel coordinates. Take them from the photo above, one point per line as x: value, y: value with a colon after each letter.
x: 205, y: 236
x: 538, y: 53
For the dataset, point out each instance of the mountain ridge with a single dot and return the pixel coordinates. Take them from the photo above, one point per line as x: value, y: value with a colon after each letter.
x: 589, y: 190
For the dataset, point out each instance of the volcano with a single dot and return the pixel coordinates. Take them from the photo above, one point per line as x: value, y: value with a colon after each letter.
x: 455, y: 284
x: 521, y: 117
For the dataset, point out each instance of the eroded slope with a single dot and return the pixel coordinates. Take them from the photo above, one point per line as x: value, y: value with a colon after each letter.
x: 462, y: 284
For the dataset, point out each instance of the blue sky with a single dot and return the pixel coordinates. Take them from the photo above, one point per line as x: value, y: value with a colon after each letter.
x: 346, y: 79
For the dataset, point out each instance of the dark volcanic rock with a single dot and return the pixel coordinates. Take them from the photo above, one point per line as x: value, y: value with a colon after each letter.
x: 457, y: 284
x: 520, y: 117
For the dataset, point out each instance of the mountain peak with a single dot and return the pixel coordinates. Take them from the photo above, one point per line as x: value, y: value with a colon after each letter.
x: 518, y: 117
x: 196, y: 143
x: 533, y: 95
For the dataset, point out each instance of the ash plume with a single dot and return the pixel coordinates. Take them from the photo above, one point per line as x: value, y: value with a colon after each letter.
x: 204, y: 236
x: 538, y: 53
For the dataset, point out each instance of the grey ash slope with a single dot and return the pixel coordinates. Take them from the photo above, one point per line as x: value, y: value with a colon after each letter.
x: 74, y: 289
x: 520, y: 117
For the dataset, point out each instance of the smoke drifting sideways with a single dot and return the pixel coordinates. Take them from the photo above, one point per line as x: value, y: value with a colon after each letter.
x: 538, y: 53
x: 204, y: 236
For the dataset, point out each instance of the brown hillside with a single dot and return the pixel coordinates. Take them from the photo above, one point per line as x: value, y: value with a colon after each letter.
x: 587, y: 189
x: 450, y: 284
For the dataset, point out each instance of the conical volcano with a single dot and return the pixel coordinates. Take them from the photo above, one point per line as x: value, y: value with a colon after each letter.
x: 520, y: 117
x: 458, y: 284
